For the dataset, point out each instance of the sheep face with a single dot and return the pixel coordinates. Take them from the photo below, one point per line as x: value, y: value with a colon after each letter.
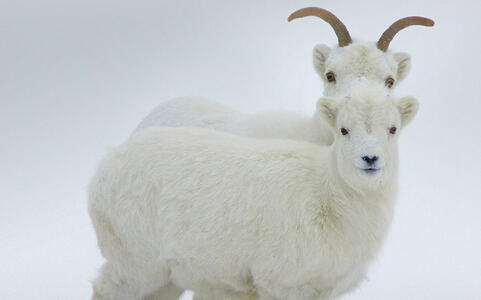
x: 343, y: 68
x: 366, y: 126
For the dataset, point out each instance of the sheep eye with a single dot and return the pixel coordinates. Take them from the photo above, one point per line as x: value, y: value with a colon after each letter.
x: 344, y: 131
x: 330, y: 77
x: 389, y: 82
x: 393, y: 130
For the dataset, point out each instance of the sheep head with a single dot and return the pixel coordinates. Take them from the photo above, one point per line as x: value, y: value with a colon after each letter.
x: 352, y: 62
x: 366, y: 125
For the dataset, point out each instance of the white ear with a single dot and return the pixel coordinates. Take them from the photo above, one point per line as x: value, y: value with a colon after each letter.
x: 408, y: 108
x: 328, y: 108
x: 403, y: 61
x: 320, y: 54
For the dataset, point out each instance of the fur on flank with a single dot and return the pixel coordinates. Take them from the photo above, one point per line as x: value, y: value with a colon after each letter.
x: 240, y: 218
x: 205, y: 113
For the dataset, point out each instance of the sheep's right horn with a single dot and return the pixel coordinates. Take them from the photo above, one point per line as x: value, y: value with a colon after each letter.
x: 388, y: 35
x: 341, y: 30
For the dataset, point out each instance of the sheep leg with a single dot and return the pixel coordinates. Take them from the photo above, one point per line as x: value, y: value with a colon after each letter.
x: 214, y: 296
x: 119, y: 281
x: 202, y: 296
x: 167, y: 292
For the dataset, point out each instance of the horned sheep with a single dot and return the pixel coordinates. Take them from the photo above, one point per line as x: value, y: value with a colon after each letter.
x: 350, y: 64
x: 234, y: 217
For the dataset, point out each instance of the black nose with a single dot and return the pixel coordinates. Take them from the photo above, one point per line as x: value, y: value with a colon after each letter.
x: 370, y: 159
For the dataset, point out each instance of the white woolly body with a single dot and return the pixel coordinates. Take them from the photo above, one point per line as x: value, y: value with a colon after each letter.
x: 205, y: 113
x: 240, y: 218
x: 360, y: 64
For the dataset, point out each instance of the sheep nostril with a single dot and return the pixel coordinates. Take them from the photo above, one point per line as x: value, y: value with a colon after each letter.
x: 370, y: 159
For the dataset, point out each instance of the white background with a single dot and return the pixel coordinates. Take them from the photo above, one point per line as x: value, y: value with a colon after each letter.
x: 76, y: 77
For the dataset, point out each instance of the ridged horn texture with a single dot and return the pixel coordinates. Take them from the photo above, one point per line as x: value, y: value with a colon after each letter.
x: 339, y: 28
x: 388, y: 35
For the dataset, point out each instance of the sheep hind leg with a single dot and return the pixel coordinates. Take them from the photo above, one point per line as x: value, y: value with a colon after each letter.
x: 117, y: 281
x: 201, y: 296
x: 167, y: 292
x: 210, y: 296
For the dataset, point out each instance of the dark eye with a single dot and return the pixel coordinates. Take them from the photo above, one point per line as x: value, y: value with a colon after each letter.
x: 330, y: 77
x: 344, y: 131
x: 392, y: 130
x: 389, y: 82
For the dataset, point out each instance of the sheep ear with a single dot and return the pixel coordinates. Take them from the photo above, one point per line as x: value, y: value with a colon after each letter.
x: 320, y: 54
x: 408, y: 108
x: 328, y: 109
x: 403, y: 61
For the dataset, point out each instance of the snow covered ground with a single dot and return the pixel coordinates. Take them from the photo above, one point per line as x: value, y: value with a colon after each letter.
x: 76, y: 77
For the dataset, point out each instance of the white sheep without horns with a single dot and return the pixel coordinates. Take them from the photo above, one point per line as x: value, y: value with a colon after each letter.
x: 240, y: 218
x: 342, y: 68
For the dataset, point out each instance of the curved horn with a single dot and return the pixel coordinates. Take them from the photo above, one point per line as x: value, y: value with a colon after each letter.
x: 341, y: 30
x: 388, y: 35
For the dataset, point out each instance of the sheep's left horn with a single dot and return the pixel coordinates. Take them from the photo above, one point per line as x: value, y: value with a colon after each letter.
x: 336, y: 24
x: 388, y: 35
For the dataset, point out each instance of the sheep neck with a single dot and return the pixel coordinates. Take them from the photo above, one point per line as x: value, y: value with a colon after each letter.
x: 356, y: 216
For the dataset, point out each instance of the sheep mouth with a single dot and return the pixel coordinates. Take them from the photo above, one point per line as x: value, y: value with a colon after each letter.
x: 369, y: 172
